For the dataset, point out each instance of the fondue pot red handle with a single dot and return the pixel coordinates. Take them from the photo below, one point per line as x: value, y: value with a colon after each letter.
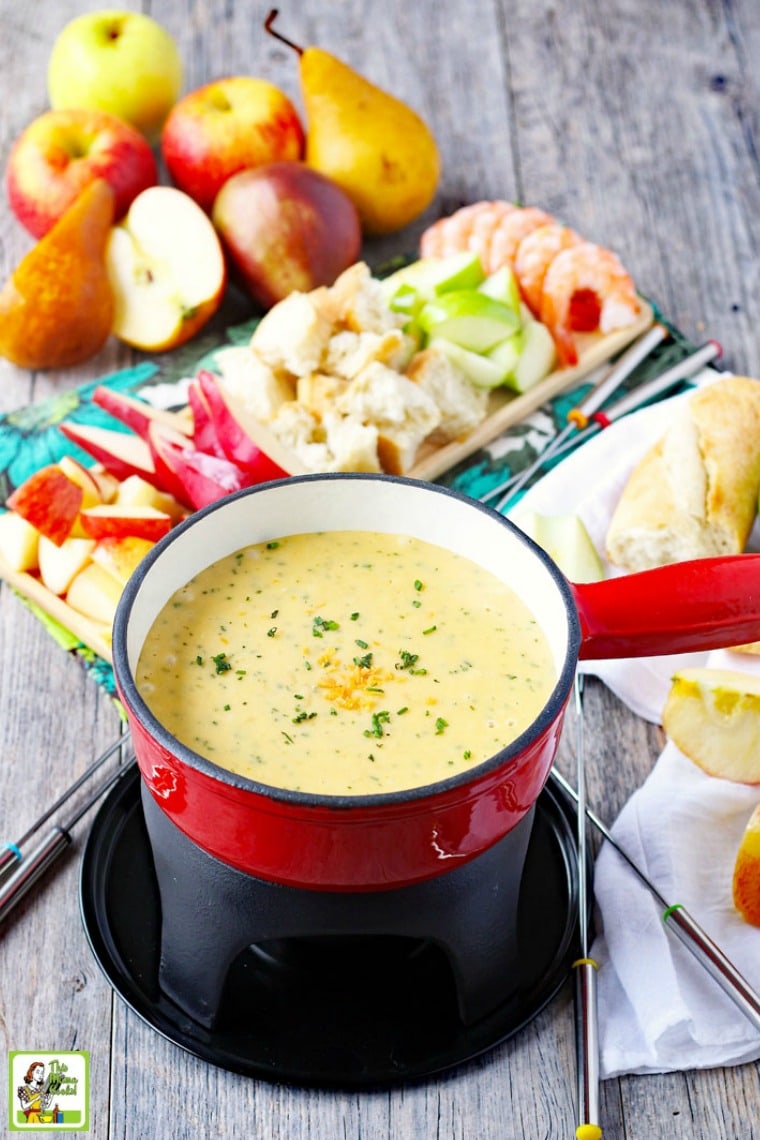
x: 710, y: 603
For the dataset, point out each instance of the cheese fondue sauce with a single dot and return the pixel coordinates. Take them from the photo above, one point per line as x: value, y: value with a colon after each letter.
x: 345, y: 663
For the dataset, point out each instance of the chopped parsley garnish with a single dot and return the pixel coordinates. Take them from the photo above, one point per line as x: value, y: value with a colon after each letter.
x: 440, y: 725
x: 408, y: 661
x: 418, y: 585
x: 221, y: 662
x: 320, y: 624
x: 364, y: 662
x: 378, y: 720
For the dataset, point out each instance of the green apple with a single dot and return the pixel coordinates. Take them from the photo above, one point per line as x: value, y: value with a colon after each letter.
x: 502, y: 286
x: 468, y: 318
x: 506, y: 355
x: 538, y: 354
x: 121, y: 62
x: 566, y: 540
x: 484, y: 373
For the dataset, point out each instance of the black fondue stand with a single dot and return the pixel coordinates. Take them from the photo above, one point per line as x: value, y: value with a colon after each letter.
x: 212, y: 912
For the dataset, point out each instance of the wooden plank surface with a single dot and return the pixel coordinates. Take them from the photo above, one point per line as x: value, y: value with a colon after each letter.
x: 636, y: 122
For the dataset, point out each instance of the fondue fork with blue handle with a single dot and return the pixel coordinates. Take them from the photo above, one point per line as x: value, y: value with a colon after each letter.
x: 688, y: 931
x: 586, y: 1021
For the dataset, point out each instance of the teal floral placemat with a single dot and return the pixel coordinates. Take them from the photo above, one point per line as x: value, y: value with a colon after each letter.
x: 30, y: 437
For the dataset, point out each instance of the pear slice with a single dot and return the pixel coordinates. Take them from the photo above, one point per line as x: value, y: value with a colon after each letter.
x: 566, y: 540
x: 746, y: 881
x: 713, y: 717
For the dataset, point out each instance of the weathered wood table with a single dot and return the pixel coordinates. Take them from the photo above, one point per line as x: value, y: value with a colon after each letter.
x: 637, y: 123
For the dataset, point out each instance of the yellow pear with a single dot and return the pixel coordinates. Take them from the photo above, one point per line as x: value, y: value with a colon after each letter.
x: 713, y: 717
x: 374, y: 146
x: 56, y: 308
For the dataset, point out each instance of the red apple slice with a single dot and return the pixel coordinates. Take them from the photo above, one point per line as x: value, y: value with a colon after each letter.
x: 49, y: 501
x: 59, y: 564
x: 135, y: 413
x: 205, y: 478
x: 204, y: 432
x: 246, y: 441
x: 137, y: 492
x: 78, y: 473
x: 110, y: 520
x: 121, y: 453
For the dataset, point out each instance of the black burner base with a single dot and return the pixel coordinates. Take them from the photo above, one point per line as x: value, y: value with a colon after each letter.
x: 212, y: 912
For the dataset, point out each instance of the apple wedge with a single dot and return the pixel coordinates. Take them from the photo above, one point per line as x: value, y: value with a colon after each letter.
x: 49, y: 501
x: 204, y: 432
x: 59, y: 564
x: 746, y: 879
x: 121, y: 556
x: 78, y: 473
x: 166, y: 268
x: 713, y: 717
x: 121, y: 453
x: 236, y: 430
x: 137, y: 414
x: 112, y: 520
x: 137, y: 492
x: 469, y: 318
x: 19, y: 542
x: 203, y: 478
x: 566, y: 540
x: 95, y: 593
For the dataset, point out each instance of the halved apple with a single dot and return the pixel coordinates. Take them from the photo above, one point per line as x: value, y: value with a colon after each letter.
x: 95, y: 593
x: 49, y: 500
x: 166, y: 268
x: 114, y: 520
x: 19, y: 542
x: 121, y: 556
x: 59, y: 564
x: 469, y: 318
x: 713, y: 717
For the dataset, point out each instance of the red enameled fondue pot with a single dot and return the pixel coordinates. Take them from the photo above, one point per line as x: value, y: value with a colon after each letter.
x: 376, y: 842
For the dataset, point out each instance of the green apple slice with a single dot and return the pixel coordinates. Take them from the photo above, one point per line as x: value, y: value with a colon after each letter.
x: 468, y: 318
x: 566, y: 540
x: 502, y: 286
x: 506, y: 355
x: 537, y: 358
x: 481, y: 371
x: 431, y: 276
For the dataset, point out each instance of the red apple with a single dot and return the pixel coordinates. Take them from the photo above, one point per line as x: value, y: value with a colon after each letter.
x: 121, y: 556
x: 121, y: 453
x: 78, y: 473
x: 286, y: 227
x: 227, y: 126
x: 62, y: 152
x: 49, y: 501
x: 136, y: 413
x: 205, y: 478
x: 237, y: 432
x: 166, y: 269
x: 113, y: 520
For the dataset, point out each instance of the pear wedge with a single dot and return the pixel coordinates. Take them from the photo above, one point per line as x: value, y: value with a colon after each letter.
x: 746, y: 880
x: 713, y: 717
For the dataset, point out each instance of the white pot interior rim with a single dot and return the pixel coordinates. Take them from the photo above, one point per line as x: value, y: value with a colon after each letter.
x: 346, y: 501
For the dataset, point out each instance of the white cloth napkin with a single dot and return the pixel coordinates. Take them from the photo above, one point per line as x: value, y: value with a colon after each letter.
x: 659, y: 1010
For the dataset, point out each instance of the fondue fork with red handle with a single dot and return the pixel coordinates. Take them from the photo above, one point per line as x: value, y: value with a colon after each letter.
x: 688, y: 931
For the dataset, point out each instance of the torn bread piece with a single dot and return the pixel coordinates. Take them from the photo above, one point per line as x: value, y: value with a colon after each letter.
x: 348, y: 352
x: 360, y: 302
x: 319, y: 391
x: 694, y: 494
x: 402, y: 411
x: 253, y: 383
x: 353, y: 446
x: 301, y: 432
x: 462, y: 405
x: 293, y: 336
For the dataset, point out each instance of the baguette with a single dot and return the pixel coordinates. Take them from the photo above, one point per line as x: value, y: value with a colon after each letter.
x: 694, y: 494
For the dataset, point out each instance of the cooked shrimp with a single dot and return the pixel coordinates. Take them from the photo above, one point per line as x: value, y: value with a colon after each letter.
x: 470, y: 228
x: 585, y: 288
x: 512, y: 230
x: 535, y: 254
